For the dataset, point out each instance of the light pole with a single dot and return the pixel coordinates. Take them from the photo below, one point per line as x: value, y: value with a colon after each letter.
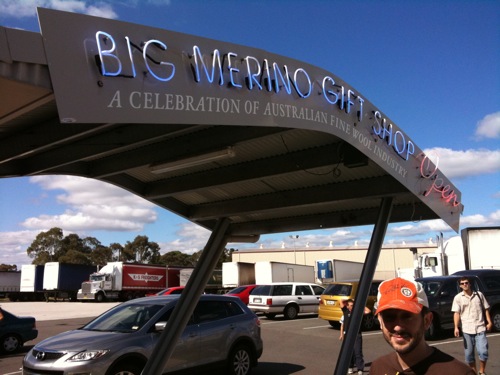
x: 294, y: 247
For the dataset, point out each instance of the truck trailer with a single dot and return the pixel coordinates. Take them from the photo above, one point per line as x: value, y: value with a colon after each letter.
x: 481, y: 247
x: 214, y: 284
x: 475, y: 248
x: 62, y: 281
x: 30, y: 284
x: 121, y: 281
x: 9, y: 283
x: 237, y: 273
x: 274, y: 272
x: 332, y: 270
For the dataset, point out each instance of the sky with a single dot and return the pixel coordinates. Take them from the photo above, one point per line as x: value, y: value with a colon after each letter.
x: 432, y: 66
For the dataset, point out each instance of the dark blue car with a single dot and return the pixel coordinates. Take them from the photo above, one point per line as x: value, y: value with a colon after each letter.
x: 15, y: 331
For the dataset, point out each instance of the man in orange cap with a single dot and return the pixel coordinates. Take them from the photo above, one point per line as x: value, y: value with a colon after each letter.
x: 403, y: 312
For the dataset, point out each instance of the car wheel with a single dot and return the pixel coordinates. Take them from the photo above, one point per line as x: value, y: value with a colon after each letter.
x: 495, y: 319
x: 270, y: 315
x: 368, y: 322
x: 291, y: 312
x: 239, y: 361
x: 334, y: 324
x: 433, y: 330
x: 11, y: 343
x: 126, y: 368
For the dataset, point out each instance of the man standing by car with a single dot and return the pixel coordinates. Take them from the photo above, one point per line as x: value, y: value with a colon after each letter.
x: 345, y: 320
x: 472, y: 309
x: 403, y: 312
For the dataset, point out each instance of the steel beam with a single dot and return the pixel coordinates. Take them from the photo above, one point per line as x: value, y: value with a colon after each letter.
x: 188, y: 300
x: 376, y: 241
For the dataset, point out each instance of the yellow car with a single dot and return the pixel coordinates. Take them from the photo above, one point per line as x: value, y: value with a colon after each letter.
x: 336, y: 294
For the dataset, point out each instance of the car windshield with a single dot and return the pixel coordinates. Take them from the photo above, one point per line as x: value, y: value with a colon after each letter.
x: 262, y: 290
x: 97, y: 277
x: 431, y: 287
x: 237, y: 290
x: 338, y: 290
x: 124, y: 318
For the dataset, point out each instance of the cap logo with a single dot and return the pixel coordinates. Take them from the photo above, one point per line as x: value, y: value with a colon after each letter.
x: 407, y: 292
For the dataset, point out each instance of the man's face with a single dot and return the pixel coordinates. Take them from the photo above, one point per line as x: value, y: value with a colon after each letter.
x: 465, y: 285
x: 350, y: 305
x: 403, y: 330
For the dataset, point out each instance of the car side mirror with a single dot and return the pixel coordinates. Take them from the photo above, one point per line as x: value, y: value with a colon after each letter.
x: 160, y: 326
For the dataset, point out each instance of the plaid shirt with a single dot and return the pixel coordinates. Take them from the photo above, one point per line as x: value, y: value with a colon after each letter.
x: 471, y: 311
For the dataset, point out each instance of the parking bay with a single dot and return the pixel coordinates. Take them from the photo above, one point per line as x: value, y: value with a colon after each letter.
x: 306, y: 345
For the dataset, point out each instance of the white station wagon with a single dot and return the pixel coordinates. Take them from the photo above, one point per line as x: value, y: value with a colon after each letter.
x: 288, y: 298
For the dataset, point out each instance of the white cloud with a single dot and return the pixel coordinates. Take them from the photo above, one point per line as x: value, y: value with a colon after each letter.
x: 488, y: 127
x: 92, y: 205
x: 27, y: 8
x: 192, y: 238
x: 457, y: 164
x: 14, y: 245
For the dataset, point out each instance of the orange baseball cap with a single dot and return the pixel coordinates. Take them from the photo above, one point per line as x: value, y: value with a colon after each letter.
x: 401, y: 294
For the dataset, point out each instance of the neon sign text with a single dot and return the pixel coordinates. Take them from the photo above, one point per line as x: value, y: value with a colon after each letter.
x: 396, y: 139
x: 110, y: 55
x: 429, y: 171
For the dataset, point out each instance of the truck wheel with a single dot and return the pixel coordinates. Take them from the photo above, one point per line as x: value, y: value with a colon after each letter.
x: 495, y: 319
x: 11, y: 343
x: 100, y: 297
x: 239, y: 361
x: 291, y: 312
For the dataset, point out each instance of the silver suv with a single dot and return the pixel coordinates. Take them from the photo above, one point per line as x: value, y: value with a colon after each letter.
x: 222, y: 332
x: 289, y: 299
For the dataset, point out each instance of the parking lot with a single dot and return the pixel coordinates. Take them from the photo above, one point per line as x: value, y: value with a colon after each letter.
x: 307, y: 345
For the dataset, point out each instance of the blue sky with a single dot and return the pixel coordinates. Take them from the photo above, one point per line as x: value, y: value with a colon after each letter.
x: 431, y: 66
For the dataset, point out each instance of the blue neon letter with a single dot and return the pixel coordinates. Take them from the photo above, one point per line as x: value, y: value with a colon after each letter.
x: 144, y: 55
x: 107, y: 53
x: 302, y: 95
x: 252, y: 77
x: 286, y: 82
x: 231, y: 69
x: 198, y: 59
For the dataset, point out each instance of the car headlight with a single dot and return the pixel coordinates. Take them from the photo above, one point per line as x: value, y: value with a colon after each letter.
x: 88, y: 355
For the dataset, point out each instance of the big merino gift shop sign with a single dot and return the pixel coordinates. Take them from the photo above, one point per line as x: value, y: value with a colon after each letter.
x: 107, y: 71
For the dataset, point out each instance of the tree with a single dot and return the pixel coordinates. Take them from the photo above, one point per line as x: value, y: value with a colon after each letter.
x: 176, y: 258
x: 141, y: 250
x: 75, y: 257
x: 225, y: 257
x: 72, y: 242
x: 8, y: 267
x: 117, y: 252
x: 101, y: 255
x: 46, y: 247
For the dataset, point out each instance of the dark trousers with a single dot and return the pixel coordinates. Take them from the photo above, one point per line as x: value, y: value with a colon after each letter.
x: 357, y: 355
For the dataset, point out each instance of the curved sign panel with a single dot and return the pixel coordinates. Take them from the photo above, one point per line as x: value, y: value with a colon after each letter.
x: 106, y: 71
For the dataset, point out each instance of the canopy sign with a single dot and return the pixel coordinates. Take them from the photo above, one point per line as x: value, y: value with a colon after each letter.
x: 106, y: 71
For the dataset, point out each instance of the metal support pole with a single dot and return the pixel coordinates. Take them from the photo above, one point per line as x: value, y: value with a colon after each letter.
x: 188, y: 300
x: 367, y: 273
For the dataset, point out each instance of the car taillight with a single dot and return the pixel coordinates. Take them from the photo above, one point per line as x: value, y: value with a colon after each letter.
x: 257, y: 322
x: 269, y: 302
